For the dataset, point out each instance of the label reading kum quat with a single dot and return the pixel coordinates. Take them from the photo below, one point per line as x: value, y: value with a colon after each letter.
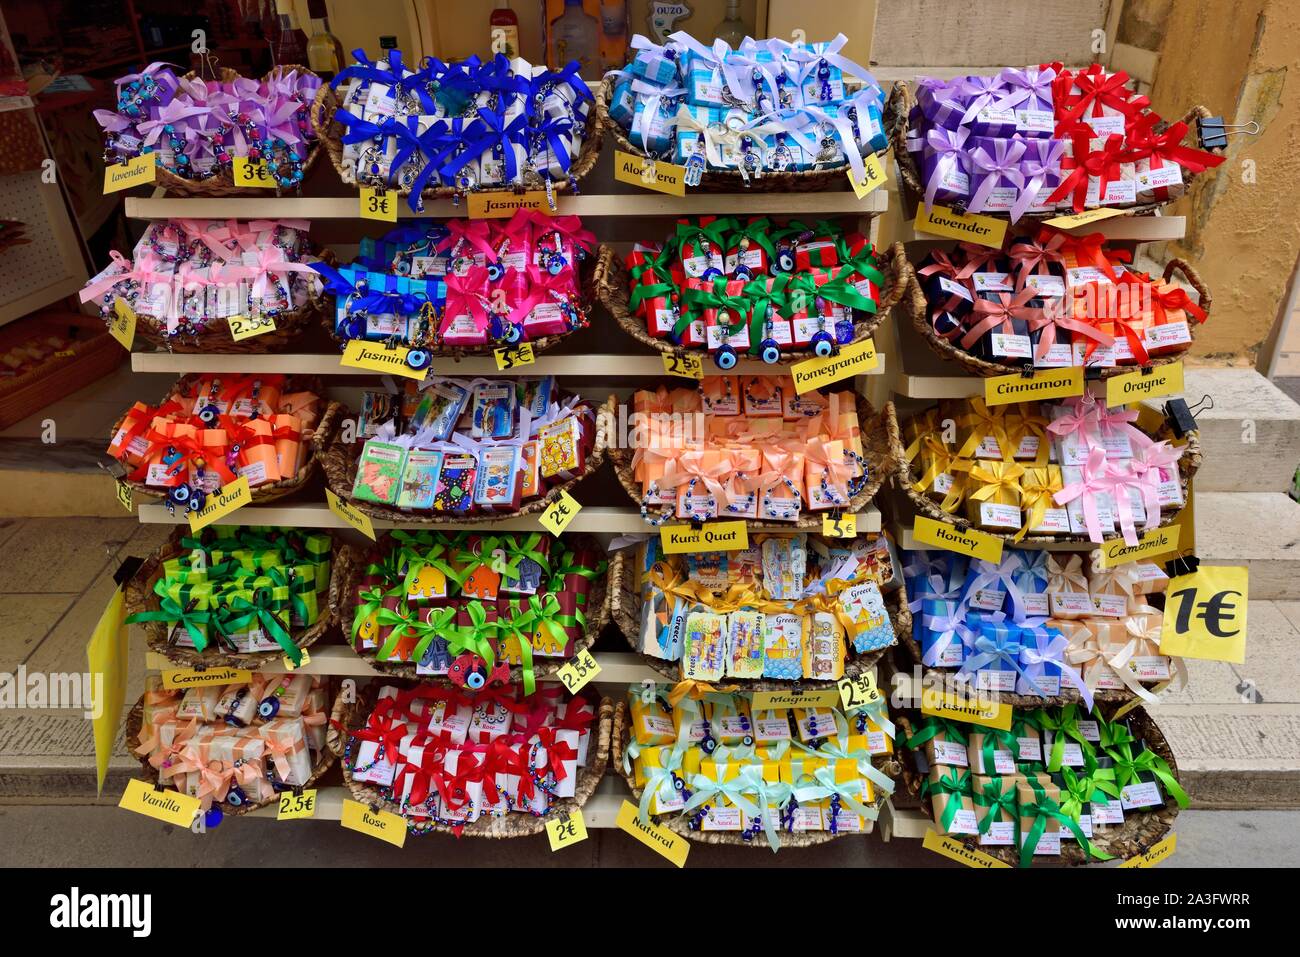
x: 710, y: 537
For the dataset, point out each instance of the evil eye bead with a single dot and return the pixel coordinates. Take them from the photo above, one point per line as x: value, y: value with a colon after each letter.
x: 208, y: 415
x: 708, y: 745
x: 269, y: 708
x: 725, y: 357
x: 197, y: 500
x: 513, y: 333
x: 178, y: 494
x: 710, y: 273
x: 418, y: 359
x: 495, y: 271
x: 212, y: 817
x: 747, y: 740
x: 822, y: 344
x: 497, y: 327
x: 235, y: 797
x: 784, y: 261
x: 554, y: 264
x: 744, y: 272
x: 475, y: 680
x: 771, y: 351
x: 844, y: 331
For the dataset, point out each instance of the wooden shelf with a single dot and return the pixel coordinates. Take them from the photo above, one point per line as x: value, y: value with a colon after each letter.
x: 611, y: 365
x: 593, y: 518
x: 844, y: 203
x: 904, y: 539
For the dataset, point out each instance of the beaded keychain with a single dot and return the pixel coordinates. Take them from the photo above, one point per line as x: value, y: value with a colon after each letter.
x: 782, y: 157
x: 131, y: 99
x: 751, y: 159
x: 549, y: 256
x: 748, y: 501
x: 704, y: 516
x: 789, y: 511
x: 824, y: 75
x: 709, y: 402
x: 653, y: 493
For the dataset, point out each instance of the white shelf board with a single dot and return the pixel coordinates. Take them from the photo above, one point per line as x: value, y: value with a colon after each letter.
x: 593, y: 518
x: 1142, y: 229
x: 904, y: 538
x: 328, y: 364
x: 843, y: 203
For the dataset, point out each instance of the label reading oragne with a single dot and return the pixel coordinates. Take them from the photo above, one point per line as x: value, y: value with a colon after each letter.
x: 658, y: 839
x: 873, y: 176
x: 378, y: 204
x: 170, y: 806
x: 384, y: 825
x: 1051, y: 384
x: 1156, y: 542
x: 141, y: 169
x: 970, y: 542
x: 376, y: 358
x: 942, y: 221
x: 1133, y: 387
x: 664, y: 178
x: 499, y: 205
x: 856, y: 359
x: 557, y: 516
x: 358, y: 520
x: 221, y: 503
x: 710, y: 537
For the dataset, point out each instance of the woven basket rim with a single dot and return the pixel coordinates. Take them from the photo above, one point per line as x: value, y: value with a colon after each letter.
x: 346, y: 718
x: 1188, y: 464
x: 348, y: 564
x: 611, y: 286
x: 876, y: 447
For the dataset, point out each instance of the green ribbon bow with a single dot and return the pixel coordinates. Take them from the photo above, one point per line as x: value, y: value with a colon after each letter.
x: 931, y: 726
x: 476, y: 637
x: 388, y: 568
x: 426, y: 630
x: 262, y: 608
x: 954, y: 782
x: 1062, y: 724
x: 372, y: 600
x: 416, y: 556
x: 517, y: 548
x: 999, y: 801
x: 547, y: 614
x: 173, y: 612
x: 1042, y: 808
x: 757, y: 232
x: 519, y: 624
x: 714, y: 233
x: 1114, y: 733
x: 718, y: 298
x: 1129, y: 767
x: 993, y: 737
x: 401, y: 623
x: 659, y: 267
x: 842, y: 289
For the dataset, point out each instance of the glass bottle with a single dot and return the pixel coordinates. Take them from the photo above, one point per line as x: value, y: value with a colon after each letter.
x: 324, y: 51
x: 573, y: 37
x: 291, y: 47
x: 504, y: 32
x: 732, y: 27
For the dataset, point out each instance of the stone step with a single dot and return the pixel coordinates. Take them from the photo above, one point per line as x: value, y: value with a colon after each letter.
x: 1250, y: 439
x: 1260, y: 530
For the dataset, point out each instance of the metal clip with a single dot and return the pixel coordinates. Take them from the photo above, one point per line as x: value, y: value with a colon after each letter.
x: 1213, y: 133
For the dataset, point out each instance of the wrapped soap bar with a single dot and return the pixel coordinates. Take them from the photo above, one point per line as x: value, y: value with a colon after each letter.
x: 420, y: 475
x: 704, y: 655
x: 379, y: 472
x: 745, y: 645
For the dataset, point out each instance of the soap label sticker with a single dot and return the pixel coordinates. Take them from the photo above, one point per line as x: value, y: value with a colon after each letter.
x: 942, y: 221
x: 581, y: 669
x: 192, y: 678
x: 384, y: 825
x: 1158, y: 541
x: 509, y: 357
x: 555, y: 518
x: 873, y: 176
x: 970, y: 542
x: 502, y: 204
x: 379, y: 204
x: 1155, y: 854
x: 566, y: 831
x: 221, y: 503
x: 840, y: 525
x: 166, y: 805
x: 296, y: 807
x: 140, y: 169
x: 375, y: 357
x: 955, y: 850
x: 659, y: 839
x: 355, y: 518
x: 246, y: 327
x: 1048, y: 384
x: 684, y: 364
x: 710, y: 537
x: 1135, y: 386
x: 857, y: 359
x: 795, y: 698
x: 121, y: 325
x: 662, y: 177
x: 1084, y: 218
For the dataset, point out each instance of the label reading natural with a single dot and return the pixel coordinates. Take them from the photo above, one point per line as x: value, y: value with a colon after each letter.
x: 658, y: 839
x: 954, y: 849
x: 857, y: 359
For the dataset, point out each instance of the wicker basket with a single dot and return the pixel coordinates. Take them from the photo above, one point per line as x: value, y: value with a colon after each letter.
x: 131, y: 732
x: 611, y: 281
x: 349, y: 717
x: 1141, y: 829
x: 919, y: 310
x: 899, y: 107
x: 140, y: 597
x: 730, y: 181
x: 347, y: 572
x: 329, y: 313
x: 92, y: 355
x: 879, y: 440
x: 330, y: 133
x: 886, y: 763
x: 270, y: 491
x: 625, y: 601
x: 905, y: 479
x: 223, y: 184
x: 339, y: 463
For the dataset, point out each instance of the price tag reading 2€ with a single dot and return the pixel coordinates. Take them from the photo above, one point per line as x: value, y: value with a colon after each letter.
x: 557, y: 515
x: 581, y: 669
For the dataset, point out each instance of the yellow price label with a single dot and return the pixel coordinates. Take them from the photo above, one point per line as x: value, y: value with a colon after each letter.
x: 566, y: 831
x: 840, y: 524
x: 683, y: 364
x: 499, y: 204
x: 378, y: 204
x: 858, y: 692
x: 221, y: 503
x: 1154, y: 854
x: 580, y: 669
x: 121, y: 325
x: 659, y: 839
x: 942, y: 221
x: 1205, y: 615
x: 192, y: 677
x: 295, y: 807
x: 873, y: 176
x: 302, y: 663
x: 357, y: 519
x: 955, y: 850
x: 376, y: 357
x: 1044, y: 384
x: 124, y: 496
x: 857, y: 359
x: 245, y: 327
x: 555, y: 518
x: 250, y: 172
x: 167, y: 805
x: 661, y: 177
x: 709, y: 537
x: 140, y: 169
x: 384, y: 825
x: 1082, y: 219
x: 520, y: 354
x: 970, y: 542
x: 1136, y: 386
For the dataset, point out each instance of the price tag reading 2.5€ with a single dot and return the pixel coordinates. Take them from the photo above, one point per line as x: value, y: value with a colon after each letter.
x: 581, y: 669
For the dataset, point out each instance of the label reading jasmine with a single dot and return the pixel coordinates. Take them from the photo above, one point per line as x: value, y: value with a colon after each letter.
x: 942, y: 221
x: 167, y: 805
x: 856, y: 359
x: 1050, y: 384
x: 499, y: 205
x: 375, y: 357
x: 710, y: 537
x: 969, y: 542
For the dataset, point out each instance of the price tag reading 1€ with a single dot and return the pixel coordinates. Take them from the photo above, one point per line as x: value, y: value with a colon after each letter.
x: 840, y: 525
x: 252, y: 173
x: 520, y: 354
x: 294, y: 807
x: 557, y: 516
x: 581, y: 669
x: 683, y: 364
x: 378, y: 204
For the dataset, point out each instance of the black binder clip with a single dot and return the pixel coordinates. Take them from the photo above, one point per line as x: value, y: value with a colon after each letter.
x: 1027, y: 370
x: 1213, y: 133
x: 1182, y: 565
x: 1183, y: 419
x: 126, y: 571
